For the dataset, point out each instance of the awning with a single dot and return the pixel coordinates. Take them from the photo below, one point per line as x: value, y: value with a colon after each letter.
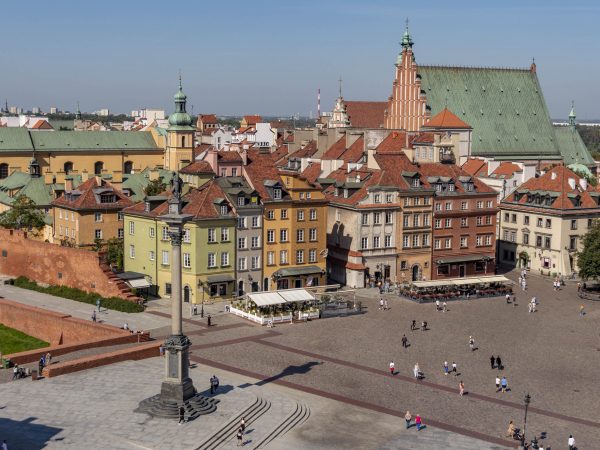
x: 266, y: 298
x: 222, y: 278
x: 138, y: 283
x: 296, y: 271
x: 494, y: 279
x: 466, y: 258
x: 462, y: 281
x: 297, y: 295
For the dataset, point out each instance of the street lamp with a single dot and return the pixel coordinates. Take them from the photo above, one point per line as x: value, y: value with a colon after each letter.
x: 201, y: 285
x: 526, y: 400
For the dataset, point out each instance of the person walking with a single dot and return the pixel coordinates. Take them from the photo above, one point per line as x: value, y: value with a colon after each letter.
x: 94, y: 316
x: 181, y: 415
x: 381, y: 304
x: 98, y: 304
x: 392, y: 368
x: 41, y: 364
x: 240, y: 437
x: 437, y: 305
x: 446, y: 368
x: 416, y: 371
x: 404, y: 341
x: 497, y: 383
x: 423, y: 325
x: 413, y: 325
x: 581, y: 311
x: 504, y: 384
x: 472, y: 343
x: 209, y: 320
x: 444, y: 307
x: 48, y: 359
x: 407, y: 419
x: 15, y: 372
x: 385, y: 304
x: 461, y: 388
x: 493, y: 362
x: 571, y: 442
x: 418, y: 422
x: 498, y: 362
x: 243, y: 425
x: 454, y: 369
x: 507, y: 298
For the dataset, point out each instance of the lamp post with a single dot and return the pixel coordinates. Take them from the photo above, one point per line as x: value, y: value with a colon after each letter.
x: 201, y: 285
x: 526, y: 400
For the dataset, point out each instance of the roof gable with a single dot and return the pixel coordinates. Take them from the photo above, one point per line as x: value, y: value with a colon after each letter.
x: 446, y: 119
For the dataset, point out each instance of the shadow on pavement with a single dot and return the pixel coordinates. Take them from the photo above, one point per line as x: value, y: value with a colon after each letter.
x: 290, y: 370
x: 26, y: 434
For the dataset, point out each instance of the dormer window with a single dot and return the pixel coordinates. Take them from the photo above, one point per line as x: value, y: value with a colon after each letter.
x: 147, y: 207
x: 336, y: 192
x: 376, y: 198
x: 416, y: 182
x: 469, y: 187
x: 241, y: 201
x: 277, y: 194
x: 107, y: 198
x: 345, y: 193
x: 438, y: 187
x: 451, y: 187
x: 224, y: 210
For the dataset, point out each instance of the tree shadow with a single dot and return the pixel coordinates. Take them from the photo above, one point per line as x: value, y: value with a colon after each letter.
x: 26, y: 434
x: 290, y: 370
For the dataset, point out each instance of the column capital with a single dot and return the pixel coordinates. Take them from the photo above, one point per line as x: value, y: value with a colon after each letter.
x: 176, y: 236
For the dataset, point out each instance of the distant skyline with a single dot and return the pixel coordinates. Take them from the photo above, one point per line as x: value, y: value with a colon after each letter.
x: 270, y: 57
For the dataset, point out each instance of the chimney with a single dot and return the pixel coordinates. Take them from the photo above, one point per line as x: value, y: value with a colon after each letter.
x: 154, y: 175
x: 583, y: 183
x: 572, y: 183
x: 84, y: 176
x: 211, y: 158
x: 68, y: 184
x: 244, y: 154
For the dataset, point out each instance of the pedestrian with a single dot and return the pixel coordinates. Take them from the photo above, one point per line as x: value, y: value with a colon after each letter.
x: 380, y: 303
x: 407, y: 418
x: 581, y: 311
x: 497, y: 383
x: 454, y: 369
x: 41, y: 364
x: 499, y: 362
x: 240, y: 437
x: 48, y: 359
x: 437, y: 305
x: 94, y: 316
x: 181, y: 415
x: 504, y: 384
x: 418, y: 422
x: 215, y: 383
x: 571, y: 442
x: 472, y: 343
x: 446, y: 368
x: 209, y: 320
x: 126, y: 326
x: 385, y: 305
x: 416, y: 371
x: 507, y: 299
x: 413, y: 325
x: 461, y: 388
x: 392, y: 367
x: 15, y: 372
x: 492, y: 361
x: 579, y: 286
x: 424, y: 324
x: 404, y: 341
x: 444, y: 307
x: 98, y: 304
x: 243, y: 424
x: 520, y: 280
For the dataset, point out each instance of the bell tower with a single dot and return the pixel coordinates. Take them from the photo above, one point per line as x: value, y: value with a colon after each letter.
x: 180, y: 135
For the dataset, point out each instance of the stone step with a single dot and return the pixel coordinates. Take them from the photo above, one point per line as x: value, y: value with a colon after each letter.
x: 296, y: 418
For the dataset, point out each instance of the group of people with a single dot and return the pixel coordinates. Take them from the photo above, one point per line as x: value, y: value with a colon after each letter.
x: 440, y: 307
x: 413, y: 325
x: 383, y: 304
x: 408, y: 420
x: 533, y: 304
x: 214, y: 384
x: 44, y: 361
x: 523, y: 279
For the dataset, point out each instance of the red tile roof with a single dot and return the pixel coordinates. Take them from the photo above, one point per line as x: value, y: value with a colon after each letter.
x: 197, y: 167
x: 42, y: 125
x: 229, y: 156
x: 394, y: 142
x: 355, y: 152
x: 506, y: 170
x: 260, y: 168
x: 453, y: 171
x: 84, y: 197
x: 307, y: 151
x: 425, y: 137
x: 336, y: 150
x: 312, y: 172
x: 208, y: 118
x: 366, y: 114
x: 476, y: 167
x: 199, y: 149
x: 446, y: 119
x: 253, y: 119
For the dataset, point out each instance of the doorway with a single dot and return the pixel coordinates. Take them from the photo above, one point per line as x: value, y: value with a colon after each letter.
x: 416, y: 273
x: 462, y: 270
x: 186, y: 294
x: 240, y: 288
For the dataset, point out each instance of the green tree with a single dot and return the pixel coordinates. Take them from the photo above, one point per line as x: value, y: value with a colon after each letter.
x: 23, y: 215
x: 155, y: 187
x: 588, y: 260
x: 114, y: 253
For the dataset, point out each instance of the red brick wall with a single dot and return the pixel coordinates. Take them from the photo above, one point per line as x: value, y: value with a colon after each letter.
x: 142, y: 351
x: 53, y: 264
x: 52, y: 327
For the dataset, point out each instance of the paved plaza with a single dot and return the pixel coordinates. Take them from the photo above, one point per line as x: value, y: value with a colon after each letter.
x: 338, y: 367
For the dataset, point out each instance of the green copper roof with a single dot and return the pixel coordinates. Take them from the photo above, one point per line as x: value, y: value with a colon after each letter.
x: 180, y: 120
x: 571, y: 146
x: 32, y: 187
x: 15, y: 139
x: 505, y: 107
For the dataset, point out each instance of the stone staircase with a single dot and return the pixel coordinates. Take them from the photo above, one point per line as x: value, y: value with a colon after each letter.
x: 125, y: 291
x: 298, y: 417
x: 194, y: 407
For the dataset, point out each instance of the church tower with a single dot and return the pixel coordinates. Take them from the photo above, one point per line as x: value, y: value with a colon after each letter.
x: 406, y: 106
x: 339, y: 116
x: 572, y: 117
x: 180, y: 135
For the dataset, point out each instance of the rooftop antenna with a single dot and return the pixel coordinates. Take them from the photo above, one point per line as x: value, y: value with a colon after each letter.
x: 340, y: 81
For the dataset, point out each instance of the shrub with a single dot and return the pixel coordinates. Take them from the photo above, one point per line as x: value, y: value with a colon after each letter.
x: 115, y: 303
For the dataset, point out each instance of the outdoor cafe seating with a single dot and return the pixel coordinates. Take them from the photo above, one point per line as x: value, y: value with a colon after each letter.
x: 457, y: 288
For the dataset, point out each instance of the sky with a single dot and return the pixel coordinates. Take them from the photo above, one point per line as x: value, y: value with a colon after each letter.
x: 270, y: 57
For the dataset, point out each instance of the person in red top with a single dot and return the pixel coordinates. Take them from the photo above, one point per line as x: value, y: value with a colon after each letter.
x: 418, y: 422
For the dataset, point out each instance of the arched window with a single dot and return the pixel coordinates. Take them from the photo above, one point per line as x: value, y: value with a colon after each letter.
x: 128, y: 167
x: 183, y: 141
x: 98, y: 166
x: 3, y: 170
x: 68, y: 167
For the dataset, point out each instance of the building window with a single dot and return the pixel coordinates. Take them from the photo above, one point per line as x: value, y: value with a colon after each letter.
x: 448, y: 206
x: 283, y: 235
x: 388, y: 217
x: 463, y: 241
x: 98, y: 167
x: 312, y: 234
x: 540, y: 222
x: 165, y: 233
x: 98, y: 234
x: 120, y: 233
x: 464, y: 205
x: 513, y: 218
x: 283, y: 257
x: 300, y: 214
x: 277, y: 194
x: 299, y: 256
x: 488, y: 220
x: 463, y: 222
x: 241, y: 263
x: 224, y: 210
x: 574, y: 224
x: 187, y: 262
x: 538, y: 241
x: 255, y: 262
x: 212, y: 235
x: 300, y: 235
x: 405, y: 241
x: 376, y: 243
x: 270, y: 236
x: 120, y: 215
x: 224, y: 259
x: 525, y: 220
x: 98, y: 217
x: 438, y: 223
x: 223, y: 172
x: 489, y: 204
x: 480, y: 205
x: 364, y: 243
x: 488, y: 240
x: 255, y: 221
x: 417, y: 201
x: 438, y: 206
x: 3, y: 170
x: 67, y: 167
x: 547, y: 241
x: 437, y: 243
x: 448, y: 223
x: 270, y: 258
x: 443, y: 269
x: 389, y: 198
x: 416, y: 218
x: 506, y: 217
x: 572, y: 243
x: 377, y: 198
x: 128, y: 167
x: 132, y: 228
x: 132, y: 251
x: 284, y: 213
x: 415, y: 240
x: 406, y: 201
x: 425, y: 240
x: 425, y: 220
x: 151, y: 232
x: 525, y: 238
x: 387, y: 241
x: 165, y: 258
x: 312, y: 255
x: 308, y: 195
x: 167, y: 288
x: 405, y: 220
x: 376, y: 218
x: 241, y: 222
x: 548, y: 223
x: 187, y: 236
x: 242, y: 243
x: 224, y: 234
x: 479, y: 220
x: 403, y: 265
x: 448, y: 243
x: 151, y: 255
x: 313, y: 214
x: 255, y: 241
x: 271, y: 215
x: 212, y: 261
